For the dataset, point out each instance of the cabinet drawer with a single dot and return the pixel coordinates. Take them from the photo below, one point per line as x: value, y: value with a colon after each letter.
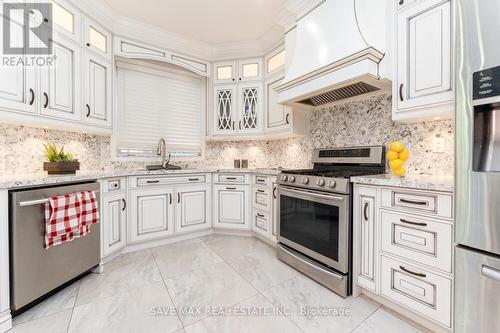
x: 151, y: 181
x: 261, y: 180
x: 260, y: 222
x: 114, y: 185
x: 262, y: 198
x: 231, y: 178
x: 417, y: 289
x: 415, y: 238
x: 419, y: 202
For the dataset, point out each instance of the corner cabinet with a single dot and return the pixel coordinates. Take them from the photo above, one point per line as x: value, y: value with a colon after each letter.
x: 423, y: 63
x: 193, y: 209
x: 152, y: 213
x: 232, y: 204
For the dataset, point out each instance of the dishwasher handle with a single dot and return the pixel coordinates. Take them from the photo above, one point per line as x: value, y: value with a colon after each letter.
x: 38, y: 201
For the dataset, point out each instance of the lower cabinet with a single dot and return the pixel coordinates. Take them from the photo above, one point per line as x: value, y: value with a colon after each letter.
x: 232, y: 206
x: 403, y: 252
x: 261, y: 223
x: 151, y: 213
x: 113, y: 223
x: 365, y: 218
x: 193, y: 208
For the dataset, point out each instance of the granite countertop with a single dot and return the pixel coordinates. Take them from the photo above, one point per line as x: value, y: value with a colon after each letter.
x: 18, y: 181
x: 421, y: 182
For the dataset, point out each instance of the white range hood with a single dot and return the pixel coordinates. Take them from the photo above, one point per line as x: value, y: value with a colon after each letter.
x: 337, y: 52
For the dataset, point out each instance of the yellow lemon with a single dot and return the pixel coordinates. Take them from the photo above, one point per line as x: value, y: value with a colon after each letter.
x: 396, y: 164
x: 392, y: 155
x: 397, y: 146
x: 404, y: 155
x: 399, y: 172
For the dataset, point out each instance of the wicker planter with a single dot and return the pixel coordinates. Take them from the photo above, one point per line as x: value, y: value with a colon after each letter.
x: 61, y: 168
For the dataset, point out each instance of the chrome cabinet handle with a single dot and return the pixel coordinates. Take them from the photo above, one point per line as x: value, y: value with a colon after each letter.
x: 88, y: 110
x: 401, y: 92
x: 490, y: 272
x: 124, y: 204
x: 413, y: 223
x: 413, y: 202
x: 46, y: 100
x: 32, y: 92
x: 412, y: 273
x: 365, y: 211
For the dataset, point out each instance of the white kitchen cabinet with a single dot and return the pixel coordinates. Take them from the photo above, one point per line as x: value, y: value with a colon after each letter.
x: 98, y: 92
x: 232, y: 205
x: 18, y: 91
x: 66, y: 20
x: 61, y: 82
x: 237, y: 71
x: 193, y: 209
x: 261, y: 223
x: 237, y: 109
x: 151, y: 213
x: 365, y: 240
x: 423, y: 62
x: 113, y: 223
x: 97, y: 39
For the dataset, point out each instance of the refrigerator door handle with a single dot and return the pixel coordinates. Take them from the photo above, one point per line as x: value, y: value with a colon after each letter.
x: 490, y: 272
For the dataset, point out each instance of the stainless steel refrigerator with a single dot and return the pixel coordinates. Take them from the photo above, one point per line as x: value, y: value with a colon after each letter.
x: 477, y: 192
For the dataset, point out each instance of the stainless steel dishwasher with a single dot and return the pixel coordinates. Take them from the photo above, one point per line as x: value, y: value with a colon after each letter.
x: 36, y: 271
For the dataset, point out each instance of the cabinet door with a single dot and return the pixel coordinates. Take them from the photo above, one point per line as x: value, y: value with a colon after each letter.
x: 151, y: 213
x: 250, y: 70
x: 97, y: 39
x: 17, y: 82
x: 277, y: 115
x: 66, y: 20
x: 98, y: 93
x: 193, y: 208
x: 225, y: 72
x: 231, y: 207
x: 60, y: 82
x: 249, y: 108
x: 113, y: 223
x: 424, y: 55
x: 225, y: 100
x: 365, y: 222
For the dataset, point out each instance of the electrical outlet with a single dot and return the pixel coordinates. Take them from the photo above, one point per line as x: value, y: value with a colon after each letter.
x: 439, y: 145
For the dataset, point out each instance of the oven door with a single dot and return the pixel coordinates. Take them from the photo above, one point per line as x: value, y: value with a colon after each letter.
x: 315, y: 224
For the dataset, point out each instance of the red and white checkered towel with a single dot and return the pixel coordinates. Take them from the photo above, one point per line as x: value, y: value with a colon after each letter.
x: 69, y: 216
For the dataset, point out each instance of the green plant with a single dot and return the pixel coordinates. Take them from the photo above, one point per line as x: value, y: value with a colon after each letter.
x: 54, y: 155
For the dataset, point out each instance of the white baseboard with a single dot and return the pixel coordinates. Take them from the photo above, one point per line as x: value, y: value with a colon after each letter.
x: 5, y: 321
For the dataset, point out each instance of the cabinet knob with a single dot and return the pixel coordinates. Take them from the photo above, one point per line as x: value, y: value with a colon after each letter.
x: 88, y: 44
x: 45, y: 20
x: 401, y: 2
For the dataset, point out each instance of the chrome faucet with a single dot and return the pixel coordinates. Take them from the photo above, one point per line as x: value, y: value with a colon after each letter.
x: 161, y: 150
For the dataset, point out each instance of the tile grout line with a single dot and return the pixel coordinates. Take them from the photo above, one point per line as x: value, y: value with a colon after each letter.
x: 74, y: 306
x: 168, y: 292
x: 362, y: 322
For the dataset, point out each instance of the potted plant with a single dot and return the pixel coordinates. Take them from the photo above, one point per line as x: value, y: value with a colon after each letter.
x: 59, y: 162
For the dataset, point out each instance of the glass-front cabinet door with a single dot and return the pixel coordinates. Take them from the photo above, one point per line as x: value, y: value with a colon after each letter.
x: 224, y: 101
x: 225, y: 72
x: 250, y: 70
x: 250, y: 104
x: 97, y: 39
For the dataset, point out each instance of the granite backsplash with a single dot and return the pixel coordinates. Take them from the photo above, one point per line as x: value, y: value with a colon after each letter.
x: 366, y: 122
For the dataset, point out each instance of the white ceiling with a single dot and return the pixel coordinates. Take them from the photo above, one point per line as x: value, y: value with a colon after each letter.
x: 209, y: 21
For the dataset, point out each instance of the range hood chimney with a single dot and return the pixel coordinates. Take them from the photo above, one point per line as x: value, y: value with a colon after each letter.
x: 337, y: 52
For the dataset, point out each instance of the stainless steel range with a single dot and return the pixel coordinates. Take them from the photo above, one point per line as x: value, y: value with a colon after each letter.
x: 314, y: 220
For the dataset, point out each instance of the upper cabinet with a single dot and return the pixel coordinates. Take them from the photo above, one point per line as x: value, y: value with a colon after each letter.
x: 238, y: 71
x: 66, y: 19
x: 97, y: 39
x: 423, y: 89
x: 97, y: 92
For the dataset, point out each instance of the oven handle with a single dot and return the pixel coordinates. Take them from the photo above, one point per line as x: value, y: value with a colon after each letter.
x: 332, y: 274
x: 314, y: 194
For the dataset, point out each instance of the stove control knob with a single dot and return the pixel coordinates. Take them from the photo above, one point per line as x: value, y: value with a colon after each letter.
x: 291, y: 179
x: 305, y: 180
x: 321, y: 182
x: 284, y: 178
x: 332, y: 184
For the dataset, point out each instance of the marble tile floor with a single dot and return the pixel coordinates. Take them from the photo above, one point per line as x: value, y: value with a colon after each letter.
x: 210, y: 284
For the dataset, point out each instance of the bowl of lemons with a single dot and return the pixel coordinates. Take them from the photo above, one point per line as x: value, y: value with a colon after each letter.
x: 397, y: 155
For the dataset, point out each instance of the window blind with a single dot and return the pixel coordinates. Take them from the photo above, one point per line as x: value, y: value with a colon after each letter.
x: 154, y: 104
